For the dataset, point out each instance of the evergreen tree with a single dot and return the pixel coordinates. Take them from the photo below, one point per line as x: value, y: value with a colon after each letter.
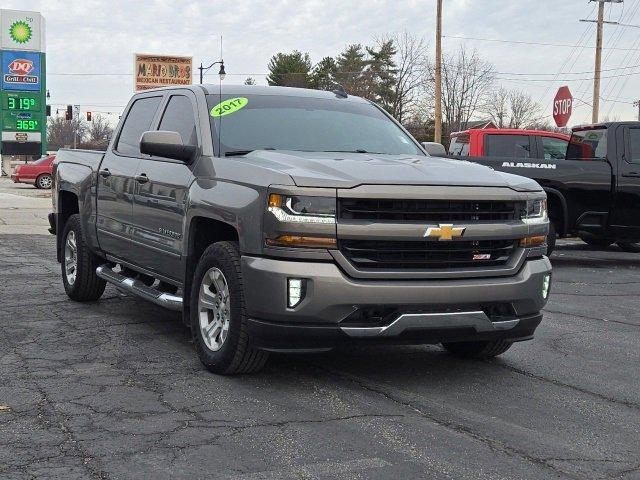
x: 324, y: 74
x: 382, y: 74
x: 290, y: 70
x: 351, y: 74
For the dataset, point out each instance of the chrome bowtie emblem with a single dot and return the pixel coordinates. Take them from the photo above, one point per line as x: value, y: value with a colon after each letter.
x: 444, y: 232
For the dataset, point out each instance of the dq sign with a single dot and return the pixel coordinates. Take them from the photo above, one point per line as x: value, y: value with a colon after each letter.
x: 562, y: 106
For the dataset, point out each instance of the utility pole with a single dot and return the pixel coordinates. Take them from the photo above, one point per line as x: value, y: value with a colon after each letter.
x: 438, y: 99
x: 598, y: 67
x: 637, y: 104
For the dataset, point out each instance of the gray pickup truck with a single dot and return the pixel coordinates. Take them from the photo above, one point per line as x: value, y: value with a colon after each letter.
x: 281, y: 219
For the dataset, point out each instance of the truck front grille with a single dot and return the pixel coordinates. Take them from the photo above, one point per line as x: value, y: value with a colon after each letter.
x: 431, y: 255
x: 428, y: 210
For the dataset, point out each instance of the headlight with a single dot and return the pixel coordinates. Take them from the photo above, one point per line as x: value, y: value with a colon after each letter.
x: 302, y: 209
x: 536, y: 211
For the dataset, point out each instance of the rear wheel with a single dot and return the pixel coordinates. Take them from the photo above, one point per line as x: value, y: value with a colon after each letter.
x: 44, y: 181
x: 79, y: 264
x: 596, y: 241
x: 218, y: 316
x: 629, y: 247
x: 478, y: 349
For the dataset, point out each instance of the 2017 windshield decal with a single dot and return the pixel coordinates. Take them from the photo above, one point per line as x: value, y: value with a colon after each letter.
x: 232, y: 105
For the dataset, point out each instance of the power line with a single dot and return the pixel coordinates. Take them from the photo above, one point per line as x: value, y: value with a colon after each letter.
x: 533, y: 43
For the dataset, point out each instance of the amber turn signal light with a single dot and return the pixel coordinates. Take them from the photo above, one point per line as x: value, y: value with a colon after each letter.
x: 276, y: 200
x: 300, y: 241
x: 535, y: 241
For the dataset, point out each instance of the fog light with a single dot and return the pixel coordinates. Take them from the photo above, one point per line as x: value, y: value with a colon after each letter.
x: 546, y: 286
x: 295, y: 291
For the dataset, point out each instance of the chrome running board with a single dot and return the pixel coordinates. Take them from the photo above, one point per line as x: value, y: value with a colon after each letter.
x: 136, y: 287
x: 428, y: 321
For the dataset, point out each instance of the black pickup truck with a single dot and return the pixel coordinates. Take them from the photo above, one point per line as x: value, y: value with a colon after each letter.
x: 594, y: 192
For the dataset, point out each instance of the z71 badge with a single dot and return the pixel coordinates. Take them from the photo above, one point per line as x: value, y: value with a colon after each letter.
x: 549, y: 166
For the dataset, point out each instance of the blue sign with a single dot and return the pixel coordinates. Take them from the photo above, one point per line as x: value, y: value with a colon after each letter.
x: 21, y: 71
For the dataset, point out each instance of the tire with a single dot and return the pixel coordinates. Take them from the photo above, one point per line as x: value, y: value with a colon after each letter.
x: 629, y: 247
x: 596, y: 241
x: 551, y: 239
x: 44, y: 181
x: 80, y: 280
x: 478, y: 350
x: 222, y: 353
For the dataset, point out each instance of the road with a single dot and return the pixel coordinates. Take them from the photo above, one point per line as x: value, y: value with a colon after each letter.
x: 113, y: 390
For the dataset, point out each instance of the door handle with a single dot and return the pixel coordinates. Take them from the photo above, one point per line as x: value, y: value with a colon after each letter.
x: 142, y: 178
x: 105, y: 173
x: 631, y: 174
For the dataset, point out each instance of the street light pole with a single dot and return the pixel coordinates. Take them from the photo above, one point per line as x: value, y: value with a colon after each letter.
x: 202, y: 69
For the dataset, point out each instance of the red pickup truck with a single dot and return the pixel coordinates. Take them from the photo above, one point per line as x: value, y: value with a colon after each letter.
x: 516, y: 145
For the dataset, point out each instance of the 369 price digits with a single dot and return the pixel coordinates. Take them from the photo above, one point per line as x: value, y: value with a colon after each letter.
x: 28, y: 125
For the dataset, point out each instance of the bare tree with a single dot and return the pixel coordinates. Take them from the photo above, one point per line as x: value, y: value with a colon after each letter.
x: 466, y: 80
x: 60, y: 132
x: 496, y: 107
x: 411, y: 72
x: 524, y: 110
x: 98, y: 134
x: 250, y: 81
x: 511, y: 108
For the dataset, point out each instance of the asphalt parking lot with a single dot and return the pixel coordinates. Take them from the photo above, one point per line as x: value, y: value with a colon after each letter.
x: 113, y: 390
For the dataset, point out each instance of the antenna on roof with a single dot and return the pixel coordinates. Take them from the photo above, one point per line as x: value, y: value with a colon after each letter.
x: 340, y: 91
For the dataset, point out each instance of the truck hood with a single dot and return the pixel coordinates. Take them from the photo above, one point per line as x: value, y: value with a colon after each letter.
x: 348, y: 170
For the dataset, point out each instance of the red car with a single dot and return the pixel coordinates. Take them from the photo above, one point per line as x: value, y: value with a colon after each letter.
x: 37, y: 173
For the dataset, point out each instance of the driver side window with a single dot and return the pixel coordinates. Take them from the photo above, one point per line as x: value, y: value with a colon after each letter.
x: 634, y: 145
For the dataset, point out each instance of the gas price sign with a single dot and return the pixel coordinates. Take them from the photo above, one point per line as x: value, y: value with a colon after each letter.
x: 21, y: 102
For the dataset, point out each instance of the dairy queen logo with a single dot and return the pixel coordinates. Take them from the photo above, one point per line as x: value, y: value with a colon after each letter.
x: 21, y: 66
x: 19, y: 70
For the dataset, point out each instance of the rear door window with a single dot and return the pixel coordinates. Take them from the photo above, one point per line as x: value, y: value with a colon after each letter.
x: 511, y: 146
x: 634, y: 145
x: 554, y: 148
x: 137, y: 122
x: 459, y: 145
x: 588, y: 145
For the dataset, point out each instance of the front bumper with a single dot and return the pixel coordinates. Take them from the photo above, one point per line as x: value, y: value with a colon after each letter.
x: 418, y: 311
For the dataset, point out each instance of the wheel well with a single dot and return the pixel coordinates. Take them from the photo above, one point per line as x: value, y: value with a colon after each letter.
x: 202, y: 233
x: 67, y: 206
x: 557, y: 213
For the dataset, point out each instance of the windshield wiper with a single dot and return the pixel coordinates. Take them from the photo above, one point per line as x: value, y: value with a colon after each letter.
x: 237, y: 153
x: 358, y: 150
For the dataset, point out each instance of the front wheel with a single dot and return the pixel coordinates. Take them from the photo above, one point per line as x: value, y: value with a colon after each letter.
x: 218, y: 315
x: 79, y: 264
x: 44, y: 181
x: 479, y: 350
x: 629, y: 247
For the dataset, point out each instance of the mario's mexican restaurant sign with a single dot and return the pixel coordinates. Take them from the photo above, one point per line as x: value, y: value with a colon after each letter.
x: 154, y: 71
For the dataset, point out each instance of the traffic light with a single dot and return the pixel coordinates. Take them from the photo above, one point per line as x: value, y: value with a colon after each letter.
x: 88, y: 116
x: 69, y: 113
x: 48, y: 110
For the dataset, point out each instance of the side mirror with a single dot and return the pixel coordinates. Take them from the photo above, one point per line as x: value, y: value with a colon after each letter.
x: 166, y: 144
x: 434, y: 149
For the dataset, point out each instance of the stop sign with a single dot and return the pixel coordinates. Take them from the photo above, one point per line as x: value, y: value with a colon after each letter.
x: 562, y: 106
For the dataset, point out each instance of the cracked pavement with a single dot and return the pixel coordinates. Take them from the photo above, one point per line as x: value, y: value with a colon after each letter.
x: 114, y: 390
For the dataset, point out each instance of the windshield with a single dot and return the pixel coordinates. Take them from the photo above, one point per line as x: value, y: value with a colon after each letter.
x: 258, y: 122
x: 588, y: 145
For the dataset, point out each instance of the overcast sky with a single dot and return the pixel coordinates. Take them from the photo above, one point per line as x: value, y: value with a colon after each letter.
x: 99, y: 38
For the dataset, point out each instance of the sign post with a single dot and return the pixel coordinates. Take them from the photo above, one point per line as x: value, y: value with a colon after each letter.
x: 562, y: 106
x: 23, y: 120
